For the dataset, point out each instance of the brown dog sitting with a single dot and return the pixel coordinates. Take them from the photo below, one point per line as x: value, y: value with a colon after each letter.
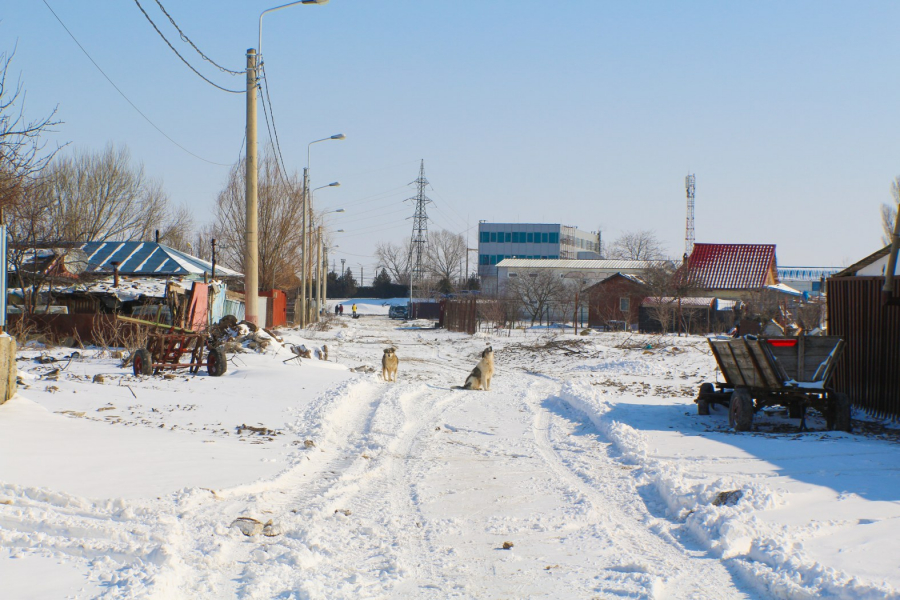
x: 389, y: 363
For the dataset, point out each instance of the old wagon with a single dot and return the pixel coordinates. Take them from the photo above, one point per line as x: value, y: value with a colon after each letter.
x: 167, y: 346
x: 792, y: 372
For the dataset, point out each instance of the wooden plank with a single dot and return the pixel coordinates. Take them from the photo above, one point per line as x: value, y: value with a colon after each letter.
x: 770, y: 375
x: 801, y: 346
x: 729, y: 362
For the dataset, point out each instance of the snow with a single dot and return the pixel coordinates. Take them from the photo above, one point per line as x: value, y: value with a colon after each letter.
x: 587, y: 459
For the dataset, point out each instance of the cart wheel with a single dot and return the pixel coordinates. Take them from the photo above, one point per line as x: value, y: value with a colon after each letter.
x: 740, y: 410
x: 840, y: 409
x: 706, y: 389
x: 142, y: 362
x: 216, y: 362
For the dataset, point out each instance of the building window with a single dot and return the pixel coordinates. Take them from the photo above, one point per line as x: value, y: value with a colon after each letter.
x: 493, y: 236
x: 624, y: 304
x: 530, y: 238
x: 482, y: 259
x: 554, y: 237
x: 513, y: 274
x: 485, y: 237
x: 545, y: 238
x: 507, y: 237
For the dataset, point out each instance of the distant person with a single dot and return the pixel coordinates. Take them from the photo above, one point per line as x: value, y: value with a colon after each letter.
x: 341, y: 306
x: 354, y: 310
x: 337, y: 309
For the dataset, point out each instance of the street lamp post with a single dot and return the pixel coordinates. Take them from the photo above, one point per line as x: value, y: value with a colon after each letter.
x: 313, y: 266
x: 251, y: 234
x: 305, y: 228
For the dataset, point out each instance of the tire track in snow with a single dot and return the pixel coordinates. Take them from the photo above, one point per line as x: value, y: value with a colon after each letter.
x: 574, y: 449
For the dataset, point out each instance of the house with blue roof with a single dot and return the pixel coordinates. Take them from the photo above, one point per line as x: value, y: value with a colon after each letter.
x: 148, y: 259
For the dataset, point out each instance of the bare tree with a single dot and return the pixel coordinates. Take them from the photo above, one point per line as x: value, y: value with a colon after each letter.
x: 537, y: 290
x: 445, y: 254
x: 280, y: 223
x: 637, y: 245
x: 97, y: 196
x: 394, y: 258
x: 889, y: 212
x: 662, y: 303
x: 21, y: 149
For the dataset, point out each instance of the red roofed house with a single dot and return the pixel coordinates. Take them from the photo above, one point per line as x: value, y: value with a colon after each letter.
x: 731, y: 271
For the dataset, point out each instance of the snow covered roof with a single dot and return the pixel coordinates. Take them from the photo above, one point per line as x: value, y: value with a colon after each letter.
x: 692, y: 301
x: 784, y: 289
x: 732, y: 266
x: 552, y: 263
x: 130, y: 288
x: 865, y: 262
x: 148, y: 258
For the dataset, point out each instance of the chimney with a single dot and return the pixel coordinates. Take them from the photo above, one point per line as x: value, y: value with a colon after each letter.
x: 157, y: 236
x: 115, y: 265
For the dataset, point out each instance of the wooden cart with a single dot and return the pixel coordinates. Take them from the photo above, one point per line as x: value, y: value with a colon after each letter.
x: 792, y: 372
x: 168, y: 345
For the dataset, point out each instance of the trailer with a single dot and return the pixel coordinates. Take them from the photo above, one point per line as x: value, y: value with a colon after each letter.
x: 794, y: 372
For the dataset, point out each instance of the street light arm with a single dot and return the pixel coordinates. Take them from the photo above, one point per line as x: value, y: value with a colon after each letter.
x: 259, y: 42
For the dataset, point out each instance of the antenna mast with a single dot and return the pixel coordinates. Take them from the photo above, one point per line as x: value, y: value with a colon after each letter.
x: 419, y: 235
x: 689, y: 185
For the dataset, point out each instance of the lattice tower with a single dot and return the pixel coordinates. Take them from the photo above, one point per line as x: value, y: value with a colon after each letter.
x: 689, y: 185
x: 419, y: 238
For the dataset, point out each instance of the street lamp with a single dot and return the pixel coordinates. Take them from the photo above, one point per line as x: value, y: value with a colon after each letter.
x: 322, y: 258
x: 305, y: 228
x: 251, y: 234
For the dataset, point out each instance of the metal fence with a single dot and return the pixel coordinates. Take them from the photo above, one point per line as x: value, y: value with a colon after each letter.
x: 869, y: 370
x: 459, y: 314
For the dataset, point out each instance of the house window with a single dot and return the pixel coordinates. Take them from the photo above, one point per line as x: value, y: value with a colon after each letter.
x: 624, y: 304
x: 513, y: 274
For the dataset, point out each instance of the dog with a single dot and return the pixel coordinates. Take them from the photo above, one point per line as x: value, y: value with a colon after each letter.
x: 389, y: 363
x: 480, y: 377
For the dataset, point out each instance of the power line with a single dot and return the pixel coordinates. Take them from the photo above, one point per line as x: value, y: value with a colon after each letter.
x: 146, y: 118
x: 268, y: 99
x: 185, y: 38
x: 190, y: 66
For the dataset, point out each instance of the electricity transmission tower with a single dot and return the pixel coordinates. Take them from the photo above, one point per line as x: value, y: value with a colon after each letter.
x: 689, y: 184
x: 419, y: 235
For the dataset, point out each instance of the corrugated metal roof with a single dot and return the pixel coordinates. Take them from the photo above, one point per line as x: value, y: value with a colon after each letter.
x: 731, y: 266
x: 806, y: 273
x: 148, y: 258
x: 552, y: 263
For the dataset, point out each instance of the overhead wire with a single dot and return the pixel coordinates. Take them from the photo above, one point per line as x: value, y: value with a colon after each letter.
x: 185, y: 38
x: 121, y: 93
x: 190, y: 66
x: 273, y: 131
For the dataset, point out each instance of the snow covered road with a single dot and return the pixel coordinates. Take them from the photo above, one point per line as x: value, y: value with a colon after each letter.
x: 585, y: 460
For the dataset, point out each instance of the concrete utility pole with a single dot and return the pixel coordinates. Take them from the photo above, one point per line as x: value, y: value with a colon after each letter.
x: 304, y: 251
x: 318, y: 272
x: 251, y: 240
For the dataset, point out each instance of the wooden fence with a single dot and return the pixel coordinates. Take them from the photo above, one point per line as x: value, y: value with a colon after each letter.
x: 869, y: 370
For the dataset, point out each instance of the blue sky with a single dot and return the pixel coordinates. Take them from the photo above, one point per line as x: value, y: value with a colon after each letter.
x: 587, y: 113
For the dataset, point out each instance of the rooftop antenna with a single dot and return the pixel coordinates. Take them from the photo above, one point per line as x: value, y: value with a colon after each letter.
x: 689, y: 186
x: 419, y: 236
